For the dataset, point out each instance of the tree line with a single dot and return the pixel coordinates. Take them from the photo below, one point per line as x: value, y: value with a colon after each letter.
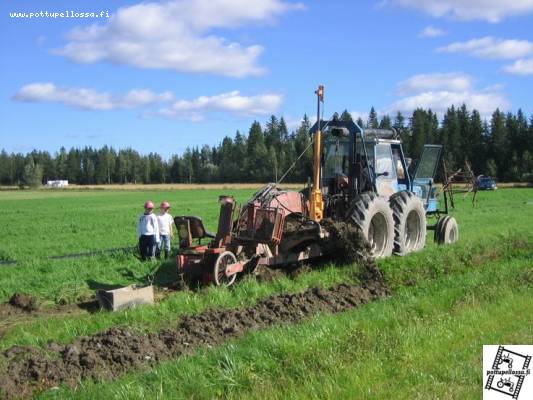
x: 501, y: 147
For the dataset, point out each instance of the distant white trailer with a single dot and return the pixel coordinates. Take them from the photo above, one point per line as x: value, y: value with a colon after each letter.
x: 58, y: 183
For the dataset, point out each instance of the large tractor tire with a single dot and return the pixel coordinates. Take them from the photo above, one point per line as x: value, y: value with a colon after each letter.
x: 447, y: 230
x: 409, y: 223
x: 373, y: 216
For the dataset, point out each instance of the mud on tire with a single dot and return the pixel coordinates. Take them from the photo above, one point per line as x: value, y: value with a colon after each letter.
x: 372, y: 214
x: 409, y: 223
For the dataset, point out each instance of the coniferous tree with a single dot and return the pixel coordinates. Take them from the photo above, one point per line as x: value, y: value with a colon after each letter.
x: 476, y: 146
x: 372, y: 119
x: 257, y: 154
x: 503, y: 149
x: 385, y: 122
x: 499, y: 143
x: 346, y: 116
x: 33, y: 173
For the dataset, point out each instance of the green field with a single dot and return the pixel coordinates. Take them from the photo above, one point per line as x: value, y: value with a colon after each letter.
x: 425, y: 341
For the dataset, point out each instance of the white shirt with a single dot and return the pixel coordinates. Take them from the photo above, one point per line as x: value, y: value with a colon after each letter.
x: 148, y: 226
x: 165, y: 222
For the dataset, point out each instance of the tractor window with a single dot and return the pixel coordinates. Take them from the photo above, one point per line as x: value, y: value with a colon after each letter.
x: 384, y: 164
x: 397, y: 156
x: 336, y: 157
x: 428, y: 162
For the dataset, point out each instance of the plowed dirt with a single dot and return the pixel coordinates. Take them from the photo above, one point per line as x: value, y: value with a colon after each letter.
x: 110, y: 353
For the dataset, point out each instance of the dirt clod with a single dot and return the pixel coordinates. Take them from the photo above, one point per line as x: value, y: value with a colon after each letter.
x: 24, y: 302
x: 345, y: 243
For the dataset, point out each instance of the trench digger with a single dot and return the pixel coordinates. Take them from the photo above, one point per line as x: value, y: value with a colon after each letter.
x: 360, y: 177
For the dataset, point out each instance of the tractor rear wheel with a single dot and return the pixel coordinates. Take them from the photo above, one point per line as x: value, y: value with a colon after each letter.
x: 219, y: 271
x: 447, y: 230
x: 372, y: 214
x: 409, y: 223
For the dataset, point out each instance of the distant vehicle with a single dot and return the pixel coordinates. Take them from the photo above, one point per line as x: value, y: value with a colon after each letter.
x: 58, y: 183
x: 486, y: 183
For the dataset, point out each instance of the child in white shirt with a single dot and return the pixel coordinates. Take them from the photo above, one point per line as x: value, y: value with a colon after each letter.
x: 148, y: 232
x: 165, y: 222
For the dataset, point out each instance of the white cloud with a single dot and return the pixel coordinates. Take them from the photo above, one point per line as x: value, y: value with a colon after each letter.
x: 449, y: 81
x: 491, y: 48
x: 520, y: 67
x: 439, y: 101
x: 440, y: 91
x: 431, y: 32
x: 487, y: 10
x: 359, y: 114
x: 176, y: 35
x: 88, y: 99
x: 232, y: 102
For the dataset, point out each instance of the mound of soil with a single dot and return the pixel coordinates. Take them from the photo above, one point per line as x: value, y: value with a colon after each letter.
x: 24, y: 302
x: 18, y: 304
x: 110, y: 353
x: 345, y: 243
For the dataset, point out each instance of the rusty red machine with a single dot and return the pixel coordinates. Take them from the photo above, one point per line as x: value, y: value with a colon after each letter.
x: 258, y: 233
x: 360, y: 177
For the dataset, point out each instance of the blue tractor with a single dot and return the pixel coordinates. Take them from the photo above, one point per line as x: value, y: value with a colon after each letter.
x: 365, y: 177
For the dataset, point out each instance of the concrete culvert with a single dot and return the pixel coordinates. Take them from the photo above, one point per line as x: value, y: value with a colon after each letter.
x: 373, y: 215
x: 409, y: 223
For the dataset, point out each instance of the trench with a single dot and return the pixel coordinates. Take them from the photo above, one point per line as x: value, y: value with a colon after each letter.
x: 108, y: 354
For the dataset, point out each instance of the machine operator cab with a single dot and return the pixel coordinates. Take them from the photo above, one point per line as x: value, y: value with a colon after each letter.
x: 347, y: 164
x: 386, y: 159
x: 336, y: 160
x: 355, y: 160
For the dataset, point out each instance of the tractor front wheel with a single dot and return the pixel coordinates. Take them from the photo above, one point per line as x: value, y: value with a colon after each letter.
x: 219, y: 271
x: 372, y: 214
x: 409, y: 223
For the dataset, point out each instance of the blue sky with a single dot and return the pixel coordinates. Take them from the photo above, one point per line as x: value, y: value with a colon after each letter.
x: 161, y: 76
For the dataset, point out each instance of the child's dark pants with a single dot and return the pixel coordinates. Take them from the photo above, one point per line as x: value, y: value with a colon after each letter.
x: 147, y: 245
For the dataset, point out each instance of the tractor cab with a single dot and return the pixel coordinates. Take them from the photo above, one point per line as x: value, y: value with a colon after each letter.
x: 386, y: 159
x: 354, y: 160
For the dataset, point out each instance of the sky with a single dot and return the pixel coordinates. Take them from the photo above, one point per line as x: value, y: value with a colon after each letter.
x: 160, y: 76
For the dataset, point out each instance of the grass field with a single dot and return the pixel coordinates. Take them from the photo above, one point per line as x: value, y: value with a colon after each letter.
x: 425, y: 341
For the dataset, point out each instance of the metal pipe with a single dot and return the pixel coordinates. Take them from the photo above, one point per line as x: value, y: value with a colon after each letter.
x: 316, y: 200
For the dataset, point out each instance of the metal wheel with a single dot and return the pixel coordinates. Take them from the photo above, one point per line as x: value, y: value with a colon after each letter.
x: 219, y: 271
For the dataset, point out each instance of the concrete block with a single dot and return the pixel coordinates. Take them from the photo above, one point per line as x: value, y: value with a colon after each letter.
x: 126, y: 297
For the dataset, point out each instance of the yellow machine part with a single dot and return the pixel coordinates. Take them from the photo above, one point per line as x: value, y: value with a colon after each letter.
x: 316, y: 201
